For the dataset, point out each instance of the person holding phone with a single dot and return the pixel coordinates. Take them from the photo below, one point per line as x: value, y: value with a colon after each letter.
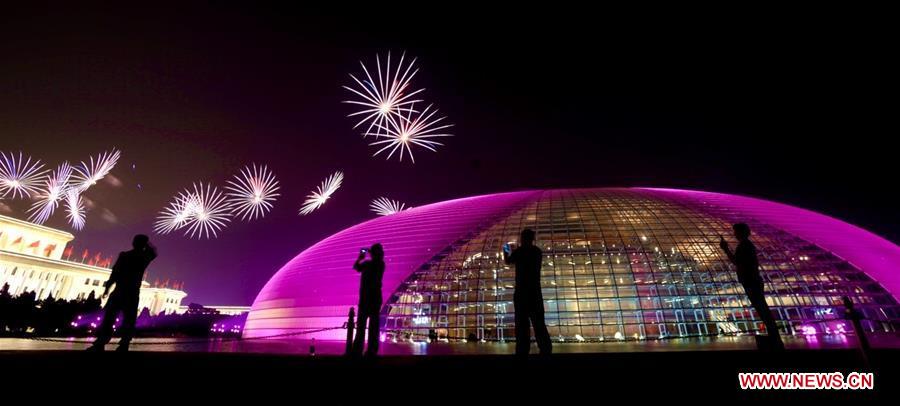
x: 527, y: 298
x: 369, y: 309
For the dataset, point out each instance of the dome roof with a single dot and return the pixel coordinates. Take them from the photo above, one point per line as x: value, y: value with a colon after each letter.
x: 608, y: 252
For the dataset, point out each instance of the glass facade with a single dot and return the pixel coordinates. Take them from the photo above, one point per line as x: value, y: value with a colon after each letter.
x: 628, y: 264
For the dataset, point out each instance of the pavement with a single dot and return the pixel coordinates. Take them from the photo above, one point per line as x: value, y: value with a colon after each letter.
x: 620, y: 378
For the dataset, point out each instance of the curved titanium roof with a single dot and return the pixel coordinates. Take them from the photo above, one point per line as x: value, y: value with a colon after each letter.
x: 317, y: 287
x: 870, y: 253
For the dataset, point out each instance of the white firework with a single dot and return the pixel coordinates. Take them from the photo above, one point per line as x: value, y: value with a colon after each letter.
x: 383, y: 206
x: 390, y: 96
x: 416, y: 129
x: 57, y: 183
x: 209, y: 213
x: 176, y: 214
x: 318, y: 197
x: 252, y: 192
x: 75, y: 211
x: 89, y: 173
x: 20, y: 177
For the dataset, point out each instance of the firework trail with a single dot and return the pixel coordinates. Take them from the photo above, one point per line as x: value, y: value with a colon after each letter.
x: 75, y: 211
x: 390, y: 96
x: 318, y: 197
x: 57, y: 184
x: 89, y: 173
x: 416, y: 129
x: 19, y: 177
x: 383, y: 206
x: 252, y: 192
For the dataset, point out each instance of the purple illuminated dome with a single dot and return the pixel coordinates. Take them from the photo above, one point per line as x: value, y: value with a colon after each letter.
x: 619, y: 264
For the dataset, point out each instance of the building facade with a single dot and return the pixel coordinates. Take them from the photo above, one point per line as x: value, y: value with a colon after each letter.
x: 227, y: 310
x: 31, y: 260
x: 619, y: 264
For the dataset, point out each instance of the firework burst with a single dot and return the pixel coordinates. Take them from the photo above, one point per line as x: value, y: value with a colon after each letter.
x: 89, y: 173
x: 57, y: 184
x: 19, y: 177
x: 416, y: 129
x: 252, y: 192
x: 383, y: 206
x: 209, y: 212
x: 318, y: 197
x: 75, y: 212
x: 390, y: 96
x: 176, y: 214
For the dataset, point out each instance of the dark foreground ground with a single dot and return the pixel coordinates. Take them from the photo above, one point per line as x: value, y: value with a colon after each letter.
x: 683, y: 377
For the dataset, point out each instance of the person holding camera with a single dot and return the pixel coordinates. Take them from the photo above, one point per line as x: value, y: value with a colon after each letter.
x: 372, y: 271
x: 127, y: 275
x: 527, y: 298
x: 745, y: 260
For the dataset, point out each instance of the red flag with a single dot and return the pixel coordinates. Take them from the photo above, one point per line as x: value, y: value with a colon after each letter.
x: 97, y: 258
x: 68, y: 252
x: 84, y: 255
x: 35, y: 244
x: 156, y: 283
x: 49, y: 249
x: 18, y: 240
x: 166, y: 284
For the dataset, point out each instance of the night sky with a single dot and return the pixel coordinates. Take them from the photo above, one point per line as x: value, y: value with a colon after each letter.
x: 787, y: 108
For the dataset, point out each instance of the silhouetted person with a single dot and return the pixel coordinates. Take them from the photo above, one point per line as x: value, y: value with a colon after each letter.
x: 369, y: 298
x: 127, y: 274
x: 92, y: 303
x: 745, y: 260
x: 527, y: 299
x: 855, y: 317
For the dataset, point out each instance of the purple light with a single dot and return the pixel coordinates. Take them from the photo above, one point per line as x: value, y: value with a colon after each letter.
x: 316, y: 288
x: 841, y: 328
x: 875, y: 256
